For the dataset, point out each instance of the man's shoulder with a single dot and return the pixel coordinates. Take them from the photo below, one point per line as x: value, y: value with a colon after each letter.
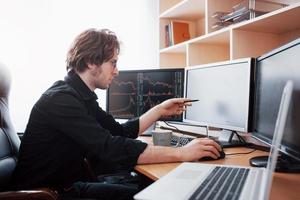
x: 60, y: 88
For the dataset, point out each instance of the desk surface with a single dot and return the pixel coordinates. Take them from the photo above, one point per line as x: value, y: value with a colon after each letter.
x: 285, y: 186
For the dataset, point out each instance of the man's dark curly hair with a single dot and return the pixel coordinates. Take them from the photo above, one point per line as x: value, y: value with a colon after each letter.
x: 92, y: 47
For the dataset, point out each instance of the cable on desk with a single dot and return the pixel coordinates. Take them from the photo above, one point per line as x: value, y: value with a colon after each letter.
x: 229, y: 154
x: 182, y: 132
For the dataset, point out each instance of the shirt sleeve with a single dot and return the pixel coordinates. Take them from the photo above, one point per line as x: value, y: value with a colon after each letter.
x: 68, y: 115
x: 128, y: 129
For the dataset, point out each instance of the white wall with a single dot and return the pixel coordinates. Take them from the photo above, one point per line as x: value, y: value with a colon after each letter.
x: 36, y: 34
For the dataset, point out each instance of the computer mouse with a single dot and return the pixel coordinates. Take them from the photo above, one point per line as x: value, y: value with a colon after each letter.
x: 207, y: 158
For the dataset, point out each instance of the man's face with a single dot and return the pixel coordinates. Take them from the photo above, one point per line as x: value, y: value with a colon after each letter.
x: 104, y: 74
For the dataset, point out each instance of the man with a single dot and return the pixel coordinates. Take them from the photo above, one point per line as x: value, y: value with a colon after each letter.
x: 66, y: 126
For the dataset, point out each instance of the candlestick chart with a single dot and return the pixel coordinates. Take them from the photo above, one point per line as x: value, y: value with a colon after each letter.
x: 133, y: 93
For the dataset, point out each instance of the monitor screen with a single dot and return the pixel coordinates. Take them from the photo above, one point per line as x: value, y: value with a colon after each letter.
x: 133, y: 92
x: 223, y: 90
x: 273, y: 70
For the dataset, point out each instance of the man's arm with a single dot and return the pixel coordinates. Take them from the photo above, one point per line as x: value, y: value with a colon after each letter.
x: 169, y: 107
x: 193, y: 151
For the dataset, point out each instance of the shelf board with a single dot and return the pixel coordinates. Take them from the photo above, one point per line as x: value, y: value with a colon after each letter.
x: 220, y: 37
x: 284, y: 1
x: 217, y: 37
x: 178, y: 48
x: 186, y: 10
x: 277, y: 22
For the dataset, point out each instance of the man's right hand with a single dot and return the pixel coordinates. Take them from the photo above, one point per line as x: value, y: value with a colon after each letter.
x: 193, y: 151
x: 199, y: 148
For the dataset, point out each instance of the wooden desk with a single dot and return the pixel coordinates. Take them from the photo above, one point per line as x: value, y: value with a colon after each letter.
x: 285, y: 186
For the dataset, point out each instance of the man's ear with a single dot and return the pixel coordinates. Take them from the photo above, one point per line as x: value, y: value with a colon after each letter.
x: 90, y: 66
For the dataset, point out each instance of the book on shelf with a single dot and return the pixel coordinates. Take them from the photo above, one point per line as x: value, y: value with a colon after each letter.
x: 168, y: 35
x: 180, y: 32
x: 176, y: 32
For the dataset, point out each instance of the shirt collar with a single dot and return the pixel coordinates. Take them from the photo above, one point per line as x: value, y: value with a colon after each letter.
x: 75, y: 81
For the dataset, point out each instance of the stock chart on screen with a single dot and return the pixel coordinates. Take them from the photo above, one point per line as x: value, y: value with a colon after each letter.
x: 134, y: 92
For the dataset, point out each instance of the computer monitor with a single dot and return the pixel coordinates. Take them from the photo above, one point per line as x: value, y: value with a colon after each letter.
x: 273, y: 70
x: 133, y: 92
x: 224, y: 93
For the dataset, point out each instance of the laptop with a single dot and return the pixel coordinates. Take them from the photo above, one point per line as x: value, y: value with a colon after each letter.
x: 209, y: 181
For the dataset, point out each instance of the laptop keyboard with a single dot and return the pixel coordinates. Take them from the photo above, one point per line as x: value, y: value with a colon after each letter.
x: 222, y: 183
x: 180, y: 141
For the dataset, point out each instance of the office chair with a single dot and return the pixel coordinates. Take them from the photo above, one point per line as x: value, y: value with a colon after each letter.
x: 9, y: 146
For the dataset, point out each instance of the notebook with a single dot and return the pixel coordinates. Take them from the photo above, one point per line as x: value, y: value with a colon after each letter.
x: 210, y: 181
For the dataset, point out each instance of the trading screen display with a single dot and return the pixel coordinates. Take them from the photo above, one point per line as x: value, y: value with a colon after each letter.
x: 133, y: 93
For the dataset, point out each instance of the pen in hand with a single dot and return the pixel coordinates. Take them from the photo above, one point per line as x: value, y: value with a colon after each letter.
x: 191, y: 100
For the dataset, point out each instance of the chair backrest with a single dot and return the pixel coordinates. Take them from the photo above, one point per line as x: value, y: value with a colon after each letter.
x: 9, y: 140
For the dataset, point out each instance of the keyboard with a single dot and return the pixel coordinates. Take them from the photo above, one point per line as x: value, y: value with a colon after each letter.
x: 222, y: 183
x: 180, y: 141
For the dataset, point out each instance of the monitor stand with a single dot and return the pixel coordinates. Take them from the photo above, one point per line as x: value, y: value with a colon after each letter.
x: 230, y: 138
x: 284, y: 163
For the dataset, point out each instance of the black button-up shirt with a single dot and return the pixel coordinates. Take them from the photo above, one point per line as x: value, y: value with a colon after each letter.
x: 65, y: 126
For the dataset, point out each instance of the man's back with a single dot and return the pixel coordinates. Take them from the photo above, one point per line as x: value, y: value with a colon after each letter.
x: 46, y: 153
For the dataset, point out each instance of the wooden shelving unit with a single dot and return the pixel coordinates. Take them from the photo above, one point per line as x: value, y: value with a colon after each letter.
x: 250, y: 38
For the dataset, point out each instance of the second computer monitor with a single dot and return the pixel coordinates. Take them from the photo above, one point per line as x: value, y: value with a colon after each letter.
x: 224, y: 93
x: 133, y: 92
